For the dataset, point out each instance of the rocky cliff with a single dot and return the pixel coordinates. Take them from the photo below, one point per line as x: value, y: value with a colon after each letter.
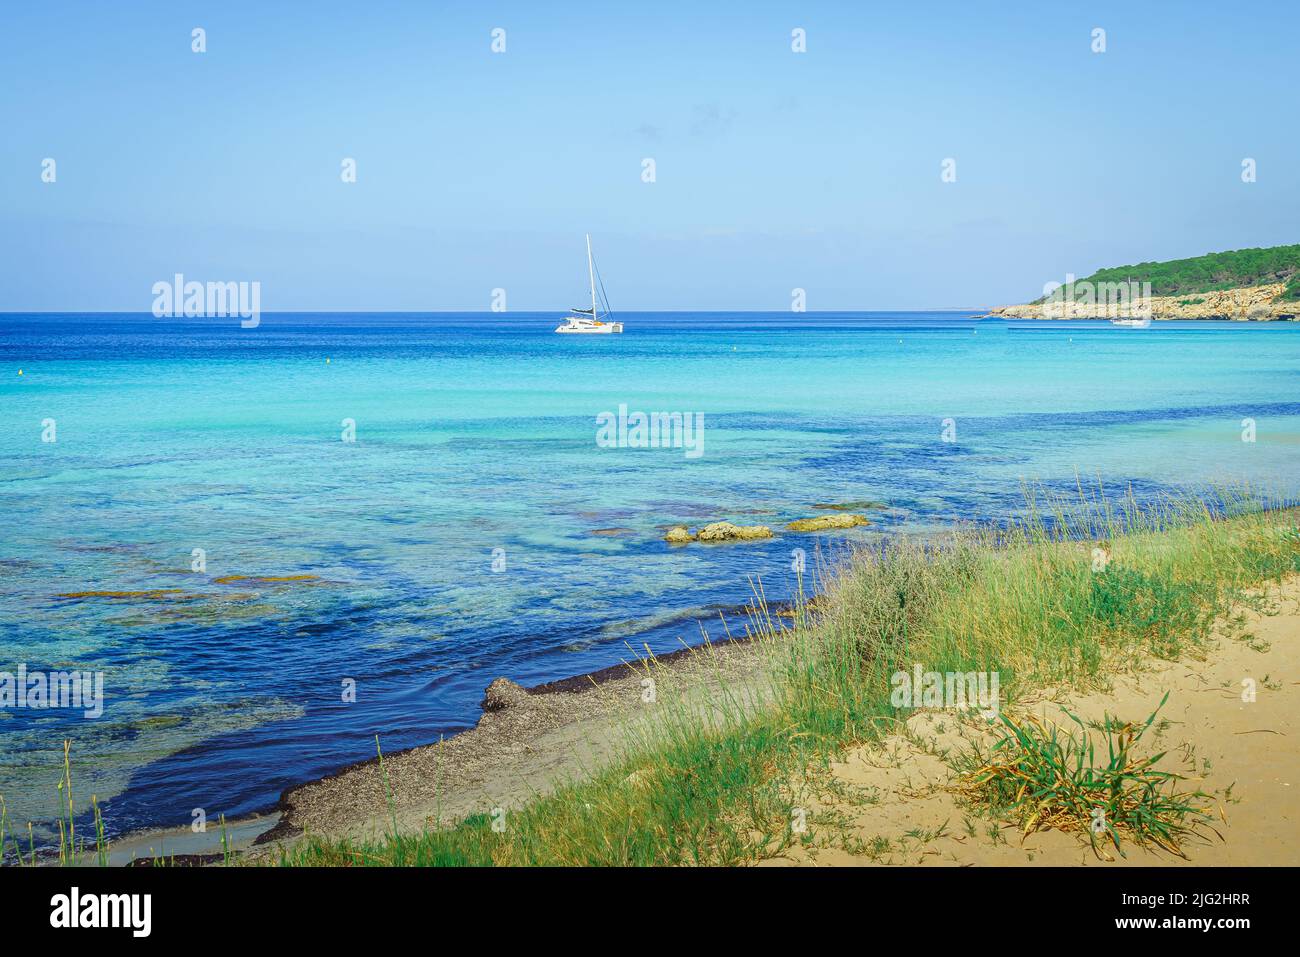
x: 1248, y: 303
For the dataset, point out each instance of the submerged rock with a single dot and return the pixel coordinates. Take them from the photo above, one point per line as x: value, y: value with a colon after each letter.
x: 679, y: 534
x: 163, y: 594
x: 504, y: 693
x: 823, y: 522
x: 849, y: 506
x: 264, y: 579
x: 726, y: 532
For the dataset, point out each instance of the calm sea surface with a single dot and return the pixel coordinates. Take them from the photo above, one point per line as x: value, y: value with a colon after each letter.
x: 474, y: 434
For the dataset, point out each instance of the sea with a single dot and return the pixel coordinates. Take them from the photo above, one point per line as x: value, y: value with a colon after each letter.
x: 277, y: 545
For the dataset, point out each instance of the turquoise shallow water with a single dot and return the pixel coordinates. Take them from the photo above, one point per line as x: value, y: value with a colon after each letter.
x: 478, y: 433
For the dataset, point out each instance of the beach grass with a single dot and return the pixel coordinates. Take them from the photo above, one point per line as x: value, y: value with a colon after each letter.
x: 1078, y: 590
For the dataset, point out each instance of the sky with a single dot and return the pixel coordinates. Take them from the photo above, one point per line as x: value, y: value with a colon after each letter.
x: 774, y: 170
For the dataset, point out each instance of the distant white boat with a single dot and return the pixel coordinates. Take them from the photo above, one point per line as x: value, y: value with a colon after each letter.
x: 590, y: 321
x: 1132, y: 323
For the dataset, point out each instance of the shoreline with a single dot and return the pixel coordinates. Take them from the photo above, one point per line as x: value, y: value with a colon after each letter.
x: 536, y: 739
x: 574, y: 685
x: 259, y: 829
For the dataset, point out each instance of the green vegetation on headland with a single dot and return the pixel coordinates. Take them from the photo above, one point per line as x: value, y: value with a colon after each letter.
x: 722, y: 786
x: 1214, y: 271
x: 1244, y: 285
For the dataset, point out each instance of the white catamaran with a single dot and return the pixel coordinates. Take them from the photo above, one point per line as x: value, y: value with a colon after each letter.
x: 589, y: 320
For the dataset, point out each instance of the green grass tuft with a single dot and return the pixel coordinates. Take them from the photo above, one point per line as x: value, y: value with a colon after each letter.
x: 1044, y: 776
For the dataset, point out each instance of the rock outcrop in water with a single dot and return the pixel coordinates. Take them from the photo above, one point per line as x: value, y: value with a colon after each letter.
x: 717, y: 532
x: 823, y: 522
x: 727, y: 532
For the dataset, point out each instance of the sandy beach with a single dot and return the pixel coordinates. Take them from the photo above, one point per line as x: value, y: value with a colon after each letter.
x: 898, y: 806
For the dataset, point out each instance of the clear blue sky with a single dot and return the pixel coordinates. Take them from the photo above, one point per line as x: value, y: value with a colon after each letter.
x: 775, y: 170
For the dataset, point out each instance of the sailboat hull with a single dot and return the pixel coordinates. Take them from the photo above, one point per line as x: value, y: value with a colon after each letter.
x: 590, y: 328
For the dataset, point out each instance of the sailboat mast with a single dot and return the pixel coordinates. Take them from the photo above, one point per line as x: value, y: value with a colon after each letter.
x: 591, y: 274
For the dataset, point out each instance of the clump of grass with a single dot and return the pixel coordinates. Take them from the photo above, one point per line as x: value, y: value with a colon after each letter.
x: 1159, y: 610
x: 1044, y: 776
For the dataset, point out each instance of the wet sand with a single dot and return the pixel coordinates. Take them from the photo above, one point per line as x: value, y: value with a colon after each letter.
x: 182, y: 845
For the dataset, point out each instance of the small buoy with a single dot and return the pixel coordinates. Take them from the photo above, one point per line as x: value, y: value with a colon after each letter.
x: 327, y: 360
x: 20, y: 371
